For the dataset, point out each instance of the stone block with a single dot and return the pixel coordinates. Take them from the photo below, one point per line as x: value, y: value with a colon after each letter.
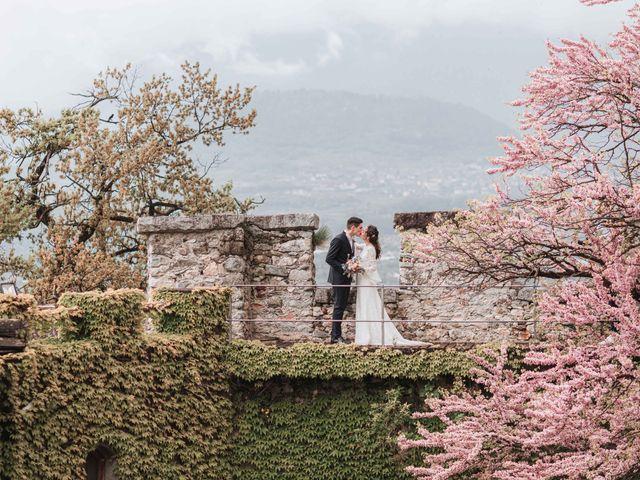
x: 199, y: 223
x: 300, y: 276
x: 183, y: 223
x: 232, y: 279
x: 234, y: 248
x: 306, y: 258
x: 234, y: 264
x: 284, y: 261
x: 526, y: 294
x: 261, y: 259
x: 275, y: 271
x: 263, y: 248
x: 323, y: 296
x: 238, y: 234
x: 299, y: 245
x: 257, y: 272
x: 157, y: 261
x: 294, y: 221
x: 211, y: 270
x: 390, y: 295
x: 274, y: 301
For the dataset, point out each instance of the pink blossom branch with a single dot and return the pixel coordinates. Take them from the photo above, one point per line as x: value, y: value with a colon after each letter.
x: 573, y: 409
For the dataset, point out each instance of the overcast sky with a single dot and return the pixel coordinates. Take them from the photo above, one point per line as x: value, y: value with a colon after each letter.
x: 474, y: 52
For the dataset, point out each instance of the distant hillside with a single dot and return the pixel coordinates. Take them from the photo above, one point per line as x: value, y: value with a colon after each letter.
x: 339, y: 154
x: 381, y: 125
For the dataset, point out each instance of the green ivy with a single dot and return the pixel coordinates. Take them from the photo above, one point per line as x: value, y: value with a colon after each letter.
x: 201, y: 311
x: 253, y: 361
x: 314, y: 411
x: 19, y: 307
x: 49, y: 322
x: 105, y: 315
x: 161, y: 402
x: 185, y: 403
x: 317, y: 431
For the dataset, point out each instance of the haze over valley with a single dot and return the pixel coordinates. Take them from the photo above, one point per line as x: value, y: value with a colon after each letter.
x: 339, y: 154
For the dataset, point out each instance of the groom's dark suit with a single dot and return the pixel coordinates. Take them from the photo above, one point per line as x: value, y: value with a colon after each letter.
x: 339, y: 252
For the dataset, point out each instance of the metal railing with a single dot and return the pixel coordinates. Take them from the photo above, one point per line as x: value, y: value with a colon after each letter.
x: 248, y: 300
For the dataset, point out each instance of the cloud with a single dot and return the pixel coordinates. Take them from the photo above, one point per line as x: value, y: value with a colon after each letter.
x: 333, y: 49
x: 119, y: 27
x: 50, y: 48
x: 248, y: 61
x: 250, y: 64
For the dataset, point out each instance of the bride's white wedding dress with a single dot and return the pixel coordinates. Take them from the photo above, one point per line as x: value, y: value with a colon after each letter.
x: 369, y: 307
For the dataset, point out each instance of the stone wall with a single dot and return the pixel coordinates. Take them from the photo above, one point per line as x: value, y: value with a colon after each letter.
x: 208, y: 250
x: 276, y: 252
x: 457, y: 314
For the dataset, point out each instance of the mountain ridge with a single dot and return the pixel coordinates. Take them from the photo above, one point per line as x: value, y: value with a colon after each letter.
x: 338, y: 154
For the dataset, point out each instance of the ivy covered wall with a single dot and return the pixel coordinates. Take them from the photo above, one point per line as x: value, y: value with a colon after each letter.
x: 161, y: 402
x: 314, y: 411
x: 185, y: 403
x: 321, y: 429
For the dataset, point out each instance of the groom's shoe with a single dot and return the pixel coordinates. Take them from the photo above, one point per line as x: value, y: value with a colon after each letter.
x: 338, y: 340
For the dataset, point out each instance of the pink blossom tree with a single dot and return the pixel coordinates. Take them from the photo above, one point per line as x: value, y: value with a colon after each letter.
x: 573, y: 411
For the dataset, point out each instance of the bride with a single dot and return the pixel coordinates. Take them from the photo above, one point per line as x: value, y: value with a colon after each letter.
x: 368, y: 303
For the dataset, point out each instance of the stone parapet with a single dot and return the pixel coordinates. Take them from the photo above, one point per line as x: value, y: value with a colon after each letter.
x: 276, y: 252
x: 201, y: 223
x: 456, y: 314
x: 210, y: 250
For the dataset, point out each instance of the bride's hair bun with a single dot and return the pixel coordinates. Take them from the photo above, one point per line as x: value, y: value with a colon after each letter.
x: 372, y: 235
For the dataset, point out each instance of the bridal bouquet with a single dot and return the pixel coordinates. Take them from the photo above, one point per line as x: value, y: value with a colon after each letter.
x: 352, y: 266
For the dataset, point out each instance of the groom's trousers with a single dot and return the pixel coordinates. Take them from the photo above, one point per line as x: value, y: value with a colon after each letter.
x: 340, y: 297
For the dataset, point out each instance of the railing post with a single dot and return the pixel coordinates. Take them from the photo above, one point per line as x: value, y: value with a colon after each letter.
x: 382, y: 310
x: 249, y: 298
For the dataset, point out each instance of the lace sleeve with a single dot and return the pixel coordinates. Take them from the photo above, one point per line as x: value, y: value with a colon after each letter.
x: 368, y: 260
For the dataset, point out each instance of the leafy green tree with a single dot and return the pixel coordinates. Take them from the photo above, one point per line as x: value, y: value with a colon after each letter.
x: 13, y: 219
x: 126, y: 151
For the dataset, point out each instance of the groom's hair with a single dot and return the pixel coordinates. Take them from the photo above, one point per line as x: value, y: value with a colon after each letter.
x: 354, y: 222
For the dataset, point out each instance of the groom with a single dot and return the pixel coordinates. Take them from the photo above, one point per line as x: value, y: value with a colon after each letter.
x: 342, y: 249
